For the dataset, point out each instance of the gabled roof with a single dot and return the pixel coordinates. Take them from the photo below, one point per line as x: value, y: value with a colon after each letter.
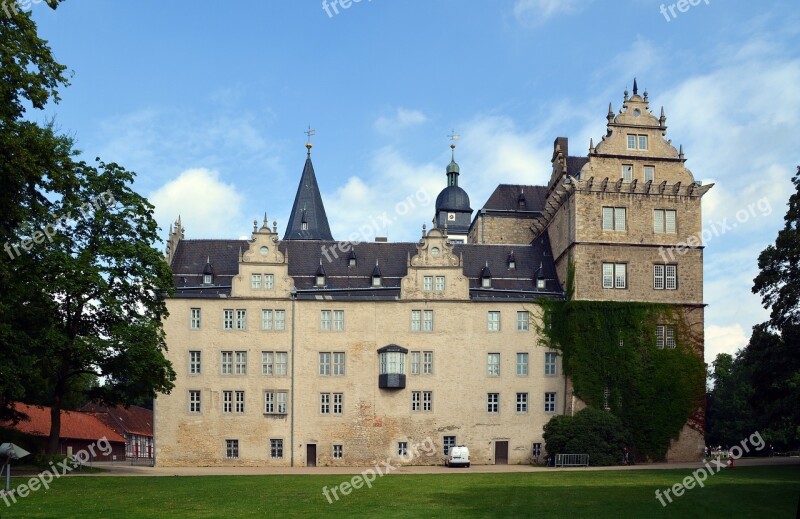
x: 133, y: 420
x: 74, y: 425
x: 308, y: 209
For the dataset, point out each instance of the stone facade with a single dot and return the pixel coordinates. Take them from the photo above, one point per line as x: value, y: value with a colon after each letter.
x: 631, y: 205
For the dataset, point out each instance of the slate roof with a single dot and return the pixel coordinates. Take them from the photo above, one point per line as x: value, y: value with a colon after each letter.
x: 133, y: 420
x: 506, y: 197
x: 309, y: 209
x: 355, y: 282
x: 74, y: 425
x: 574, y: 165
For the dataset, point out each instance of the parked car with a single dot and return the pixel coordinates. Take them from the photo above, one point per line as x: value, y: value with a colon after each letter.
x: 457, y: 457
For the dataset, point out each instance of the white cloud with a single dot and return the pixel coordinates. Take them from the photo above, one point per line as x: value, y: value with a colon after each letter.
x: 208, y: 207
x: 401, y: 119
x: 534, y: 12
x: 724, y: 339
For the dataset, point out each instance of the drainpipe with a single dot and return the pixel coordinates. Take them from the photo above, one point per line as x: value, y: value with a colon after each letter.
x: 291, y: 416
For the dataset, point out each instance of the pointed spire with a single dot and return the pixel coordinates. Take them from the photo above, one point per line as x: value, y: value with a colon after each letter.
x: 635, y: 87
x: 591, y: 145
x: 308, y: 208
x: 610, y: 115
x: 680, y: 152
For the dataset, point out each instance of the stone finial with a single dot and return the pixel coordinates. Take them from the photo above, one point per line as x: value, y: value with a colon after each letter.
x: 275, y: 226
x: 255, y: 225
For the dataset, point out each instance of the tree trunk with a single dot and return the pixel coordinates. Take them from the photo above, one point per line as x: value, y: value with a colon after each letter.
x: 55, y: 425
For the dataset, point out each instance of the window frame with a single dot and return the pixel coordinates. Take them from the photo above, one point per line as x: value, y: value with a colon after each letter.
x: 493, y: 364
x: 493, y: 403
x: 493, y: 321
x: 195, y: 364
x: 523, y: 363
x: 522, y: 402
x: 194, y: 318
x: 550, y: 363
x: 550, y: 402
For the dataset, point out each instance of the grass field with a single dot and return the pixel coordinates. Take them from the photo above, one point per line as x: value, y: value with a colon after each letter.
x: 758, y: 492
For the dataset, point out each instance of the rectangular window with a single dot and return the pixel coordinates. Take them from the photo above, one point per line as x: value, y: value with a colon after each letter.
x: 241, y: 319
x: 338, y: 320
x: 427, y: 321
x: 194, y: 320
x: 194, y: 362
x: 269, y: 281
x: 493, y: 402
x: 493, y: 323
x: 664, y: 221
x: 227, y: 319
x: 427, y: 283
x: 415, y: 358
x: 631, y: 142
x: 643, y: 142
x: 665, y: 335
x: 227, y: 401
x: 325, y: 403
x: 280, y: 320
x: 281, y: 363
x: 665, y: 277
x: 241, y: 362
x: 440, y: 283
x: 549, y: 402
x: 325, y: 363
x: 338, y: 363
x: 266, y: 320
x: 416, y: 400
x: 267, y: 363
x: 194, y: 401
x: 275, y: 402
x: 276, y: 449
x: 614, y: 218
x: 447, y: 443
x: 338, y: 451
x: 427, y: 400
x: 522, y: 364
x: 338, y: 403
x: 255, y: 281
x: 325, y: 320
x: 240, y: 401
x: 232, y: 449
x: 649, y: 173
x: 416, y: 316
x: 227, y: 363
x: 402, y: 448
x: 522, y: 402
x: 627, y: 172
x: 427, y: 362
x: 550, y: 363
x: 614, y: 275
x: 523, y: 321
x: 493, y: 364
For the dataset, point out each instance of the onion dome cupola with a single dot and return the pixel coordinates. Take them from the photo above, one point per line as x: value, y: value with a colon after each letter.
x: 453, y: 212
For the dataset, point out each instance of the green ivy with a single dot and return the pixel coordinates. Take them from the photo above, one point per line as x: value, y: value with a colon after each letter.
x: 612, y: 345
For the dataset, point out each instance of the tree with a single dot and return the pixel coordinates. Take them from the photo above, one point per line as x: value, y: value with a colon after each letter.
x: 773, y: 354
x: 83, y: 287
x: 32, y: 161
x: 591, y: 431
x: 778, y: 283
x: 107, y: 285
x: 730, y: 416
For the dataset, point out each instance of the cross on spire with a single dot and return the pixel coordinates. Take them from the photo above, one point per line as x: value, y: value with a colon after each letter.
x: 309, y: 133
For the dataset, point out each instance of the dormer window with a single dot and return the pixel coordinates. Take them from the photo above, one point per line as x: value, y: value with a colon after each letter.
x: 541, y: 283
x: 376, y: 276
x: 304, y: 226
x: 392, y: 359
x: 320, y: 275
x: 512, y: 263
x: 208, y: 273
x: 486, y: 277
x: 351, y: 260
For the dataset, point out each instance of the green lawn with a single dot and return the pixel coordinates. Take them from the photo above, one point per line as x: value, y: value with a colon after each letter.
x: 758, y: 492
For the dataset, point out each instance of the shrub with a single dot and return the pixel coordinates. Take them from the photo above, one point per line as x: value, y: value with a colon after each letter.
x: 597, y: 433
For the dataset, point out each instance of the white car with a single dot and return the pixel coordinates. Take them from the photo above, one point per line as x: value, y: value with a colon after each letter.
x: 457, y: 457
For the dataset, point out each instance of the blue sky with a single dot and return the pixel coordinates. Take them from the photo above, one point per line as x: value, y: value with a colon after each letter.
x: 208, y: 101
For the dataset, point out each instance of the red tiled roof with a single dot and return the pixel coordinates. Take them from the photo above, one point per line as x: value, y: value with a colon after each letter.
x: 133, y: 420
x: 74, y: 425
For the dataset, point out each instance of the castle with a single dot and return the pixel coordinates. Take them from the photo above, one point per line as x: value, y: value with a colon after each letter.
x: 286, y: 356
